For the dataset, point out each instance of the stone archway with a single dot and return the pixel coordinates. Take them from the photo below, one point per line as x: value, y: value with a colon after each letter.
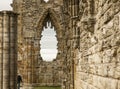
x: 31, y: 21
x: 49, y: 15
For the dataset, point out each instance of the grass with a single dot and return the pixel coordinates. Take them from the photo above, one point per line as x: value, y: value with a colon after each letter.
x: 47, y: 88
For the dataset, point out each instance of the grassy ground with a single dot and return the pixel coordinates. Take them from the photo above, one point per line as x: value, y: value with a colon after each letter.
x: 47, y: 88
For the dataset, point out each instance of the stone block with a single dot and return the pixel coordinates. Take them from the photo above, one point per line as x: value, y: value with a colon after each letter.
x: 111, y: 84
x: 118, y: 55
x: 105, y: 70
x: 118, y: 84
x: 116, y: 7
x: 97, y: 58
x: 101, y: 83
x: 95, y: 81
x: 109, y: 55
x: 96, y: 48
x: 100, y: 70
x: 117, y: 71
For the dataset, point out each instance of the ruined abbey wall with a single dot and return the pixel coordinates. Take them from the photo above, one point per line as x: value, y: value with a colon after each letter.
x: 98, y: 59
x: 33, y: 17
x: 88, y: 34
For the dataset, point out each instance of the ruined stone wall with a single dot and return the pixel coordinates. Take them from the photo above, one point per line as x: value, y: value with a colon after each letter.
x: 71, y: 36
x: 33, y: 16
x: 98, y: 59
x: 49, y: 74
x: 88, y: 40
x: 8, y: 50
x: 88, y: 48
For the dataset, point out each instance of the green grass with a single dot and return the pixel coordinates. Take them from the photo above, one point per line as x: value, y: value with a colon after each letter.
x: 47, y: 88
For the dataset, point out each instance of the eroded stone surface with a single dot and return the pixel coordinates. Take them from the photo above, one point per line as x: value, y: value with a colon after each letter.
x: 88, y: 34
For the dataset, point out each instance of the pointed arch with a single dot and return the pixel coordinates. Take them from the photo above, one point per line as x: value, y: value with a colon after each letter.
x: 54, y: 19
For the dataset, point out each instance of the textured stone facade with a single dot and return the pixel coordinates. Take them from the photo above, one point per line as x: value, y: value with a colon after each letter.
x: 88, y: 39
x: 88, y: 34
x: 92, y: 44
x: 8, y: 50
x: 33, y: 17
x: 98, y: 58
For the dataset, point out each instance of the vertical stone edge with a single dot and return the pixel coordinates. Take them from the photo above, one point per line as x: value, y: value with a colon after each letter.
x: 8, y: 50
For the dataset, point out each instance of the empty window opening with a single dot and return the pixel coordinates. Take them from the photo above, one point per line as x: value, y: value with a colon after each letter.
x: 46, y: 0
x: 48, y: 43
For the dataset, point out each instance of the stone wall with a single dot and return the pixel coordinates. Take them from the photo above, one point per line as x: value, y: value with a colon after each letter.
x: 33, y: 17
x: 98, y: 60
x: 88, y: 40
x: 49, y: 74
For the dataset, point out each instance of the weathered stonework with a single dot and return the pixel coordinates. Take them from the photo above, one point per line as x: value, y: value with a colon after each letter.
x: 88, y: 34
x: 8, y: 50
x: 98, y: 62
x: 33, y: 16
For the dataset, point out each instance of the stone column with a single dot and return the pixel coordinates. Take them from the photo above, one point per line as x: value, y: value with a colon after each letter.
x: 73, y: 10
x: 91, y: 8
x: 76, y: 7
x: 1, y: 53
x: 13, y: 50
x: 70, y: 7
x: 8, y: 53
x: 6, y: 59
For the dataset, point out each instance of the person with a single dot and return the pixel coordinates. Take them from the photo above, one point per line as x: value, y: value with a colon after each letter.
x: 19, y: 80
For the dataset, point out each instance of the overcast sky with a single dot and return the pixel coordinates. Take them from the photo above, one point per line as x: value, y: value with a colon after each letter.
x: 5, y: 5
x: 48, y: 41
x: 48, y: 44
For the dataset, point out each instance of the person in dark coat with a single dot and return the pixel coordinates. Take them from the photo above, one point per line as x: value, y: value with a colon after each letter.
x: 19, y: 80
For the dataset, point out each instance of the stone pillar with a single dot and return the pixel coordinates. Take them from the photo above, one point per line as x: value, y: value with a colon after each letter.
x: 1, y: 53
x: 13, y: 50
x: 6, y: 59
x: 73, y: 10
x: 8, y: 44
x: 76, y: 7
x: 91, y: 8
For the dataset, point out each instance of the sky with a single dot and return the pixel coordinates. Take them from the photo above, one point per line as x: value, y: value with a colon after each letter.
x: 5, y: 5
x: 48, y: 42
